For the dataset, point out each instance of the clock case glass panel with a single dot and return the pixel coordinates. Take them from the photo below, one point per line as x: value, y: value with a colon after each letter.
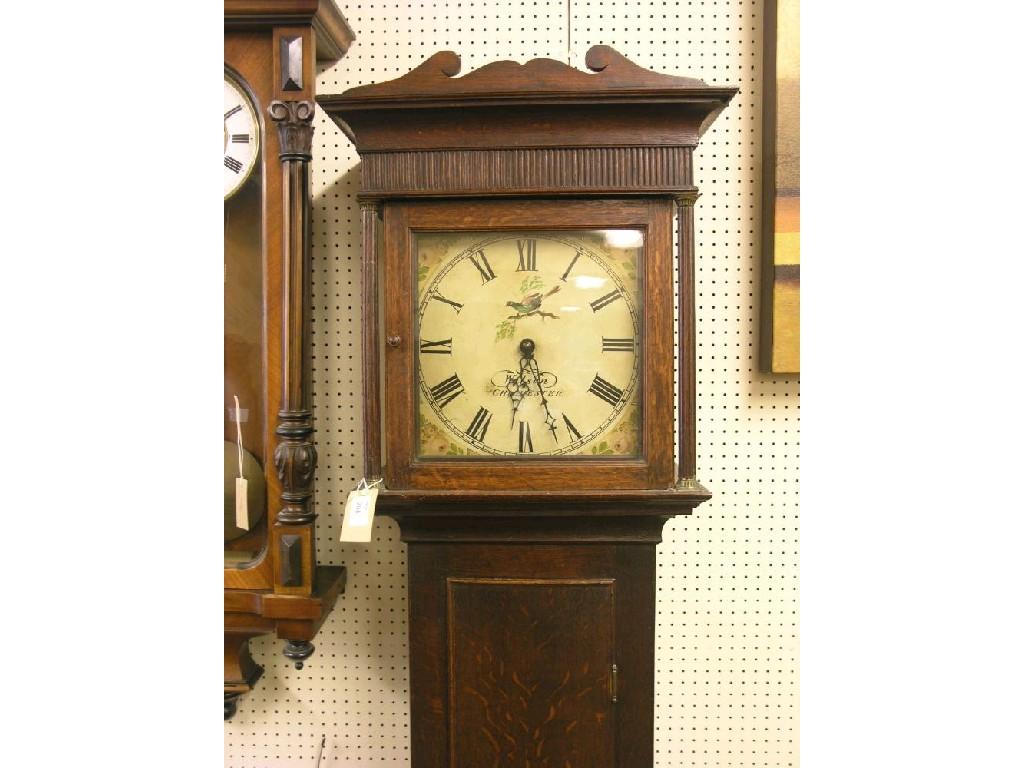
x: 244, y: 366
x: 528, y: 343
x: 420, y: 450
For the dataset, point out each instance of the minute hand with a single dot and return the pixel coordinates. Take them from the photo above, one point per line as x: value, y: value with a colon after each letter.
x: 548, y: 418
x: 519, y: 390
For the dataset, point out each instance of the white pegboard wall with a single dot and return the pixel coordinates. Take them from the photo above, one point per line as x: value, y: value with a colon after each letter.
x: 726, y: 674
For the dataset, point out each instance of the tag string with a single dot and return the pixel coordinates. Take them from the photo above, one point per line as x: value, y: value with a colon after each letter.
x: 238, y: 426
x: 362, y: 485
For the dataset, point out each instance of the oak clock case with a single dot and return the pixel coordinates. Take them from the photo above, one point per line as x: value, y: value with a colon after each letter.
x: 525, y: 346
x: 272, y: 583
x: 520, y: 368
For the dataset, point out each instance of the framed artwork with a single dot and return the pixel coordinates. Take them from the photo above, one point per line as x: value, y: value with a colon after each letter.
x: 780, y: 281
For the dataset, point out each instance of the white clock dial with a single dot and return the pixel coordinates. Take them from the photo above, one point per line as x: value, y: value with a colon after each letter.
x: 241, y: 137
x: 529, y: 343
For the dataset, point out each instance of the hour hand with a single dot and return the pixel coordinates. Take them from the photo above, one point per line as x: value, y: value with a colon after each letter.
x: 522, y: 387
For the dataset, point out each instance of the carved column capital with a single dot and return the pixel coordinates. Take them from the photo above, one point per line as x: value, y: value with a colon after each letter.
x: 686, y: 199
x: 294, y: 121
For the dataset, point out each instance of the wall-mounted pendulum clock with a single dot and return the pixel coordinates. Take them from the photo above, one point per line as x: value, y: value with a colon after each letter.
x: 519, y: 383
x: 271, y: 580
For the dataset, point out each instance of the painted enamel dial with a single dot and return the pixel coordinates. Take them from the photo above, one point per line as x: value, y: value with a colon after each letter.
x: 241, y: 136
x: 529, y: 343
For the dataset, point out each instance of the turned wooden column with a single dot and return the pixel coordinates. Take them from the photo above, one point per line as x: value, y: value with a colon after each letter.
x: 295, y: 456
x: 369, y: 214
x: 686, y: 353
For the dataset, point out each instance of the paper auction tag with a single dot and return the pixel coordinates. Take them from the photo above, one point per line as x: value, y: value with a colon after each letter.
x: 358, y: 522
x: 241, y: 484
x: 242, y: 503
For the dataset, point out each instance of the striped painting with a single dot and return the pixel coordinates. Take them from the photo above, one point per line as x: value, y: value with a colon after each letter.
x: 780, y: 293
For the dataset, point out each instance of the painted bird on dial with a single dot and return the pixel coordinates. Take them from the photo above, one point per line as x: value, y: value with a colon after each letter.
x: 530, y: 305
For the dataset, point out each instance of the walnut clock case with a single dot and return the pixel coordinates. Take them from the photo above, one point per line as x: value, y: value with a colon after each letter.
x: 271, y: 580
x: 519, y: 383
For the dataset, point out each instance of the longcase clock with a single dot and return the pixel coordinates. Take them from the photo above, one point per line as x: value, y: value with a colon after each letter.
x: 519, y: 376
x: 271, y: 580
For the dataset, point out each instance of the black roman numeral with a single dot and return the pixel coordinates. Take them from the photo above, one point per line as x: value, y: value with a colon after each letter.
x: 446, y: 391
x: 525, y: 442
x: 572, y: 263
x: 438, y: 297
x: 605, y: 300
x: 230, y: 162
x: 616, y: 345
x: 527, y: 255
x: 233, y: 110
x: 478, y: 426
x: 483, y: 268
x: 571, y: 427
x: 240, y: 138
x: 436, y: 347
x: 606, y: 391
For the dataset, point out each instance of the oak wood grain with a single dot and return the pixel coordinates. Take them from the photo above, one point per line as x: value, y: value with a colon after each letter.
x: 523, y: 689
x: 435, y: 635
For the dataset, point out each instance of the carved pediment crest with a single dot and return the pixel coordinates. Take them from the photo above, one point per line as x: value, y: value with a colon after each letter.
x: 610, y: 73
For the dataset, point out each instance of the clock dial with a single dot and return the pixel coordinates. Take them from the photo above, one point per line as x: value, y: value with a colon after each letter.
x: 529, y: 343
x: 241, y: 136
